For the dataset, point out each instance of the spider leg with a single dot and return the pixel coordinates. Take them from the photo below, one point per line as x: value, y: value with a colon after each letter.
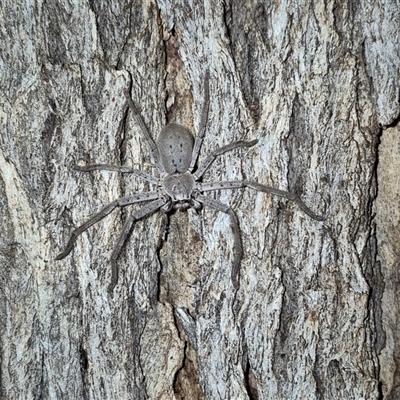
x: 221, y: 150
x: 139, y: 214
x: 238, y: 247
x: 139, y: 120
x: 122, y: 169
x: 262, y: 188
x: 124, y: 201
x: 203, y: 122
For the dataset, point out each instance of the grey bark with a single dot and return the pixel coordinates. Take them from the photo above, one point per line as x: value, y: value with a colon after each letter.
x: 317, y: 309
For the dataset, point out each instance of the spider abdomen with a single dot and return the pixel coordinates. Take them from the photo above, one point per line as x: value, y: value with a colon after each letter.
x: 175, y: 147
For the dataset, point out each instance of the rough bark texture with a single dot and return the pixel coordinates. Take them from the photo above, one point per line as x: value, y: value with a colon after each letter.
x: 316, y: 315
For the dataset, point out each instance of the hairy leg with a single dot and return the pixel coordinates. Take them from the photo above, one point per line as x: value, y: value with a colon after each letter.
x: 262, y: 188
x: 139, y: 120
x: 143, y: 212
x: 122, y: 169
x: 221, y: 150
x: 238, y: 247
x: 203, y: 122
x: 124, y: 201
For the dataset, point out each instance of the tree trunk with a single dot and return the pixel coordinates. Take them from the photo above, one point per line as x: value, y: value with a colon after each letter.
x: 316, y: 312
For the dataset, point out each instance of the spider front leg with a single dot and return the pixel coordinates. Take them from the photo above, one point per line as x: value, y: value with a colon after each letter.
x: 262, y: 188
x: 238, y: 247
x: 124, y: 201
x: 143, y: 212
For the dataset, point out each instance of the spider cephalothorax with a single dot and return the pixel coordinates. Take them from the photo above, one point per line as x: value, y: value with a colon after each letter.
x: 178, y: 186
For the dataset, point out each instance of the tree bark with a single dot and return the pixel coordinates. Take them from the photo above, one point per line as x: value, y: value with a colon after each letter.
x: 316, y: 313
